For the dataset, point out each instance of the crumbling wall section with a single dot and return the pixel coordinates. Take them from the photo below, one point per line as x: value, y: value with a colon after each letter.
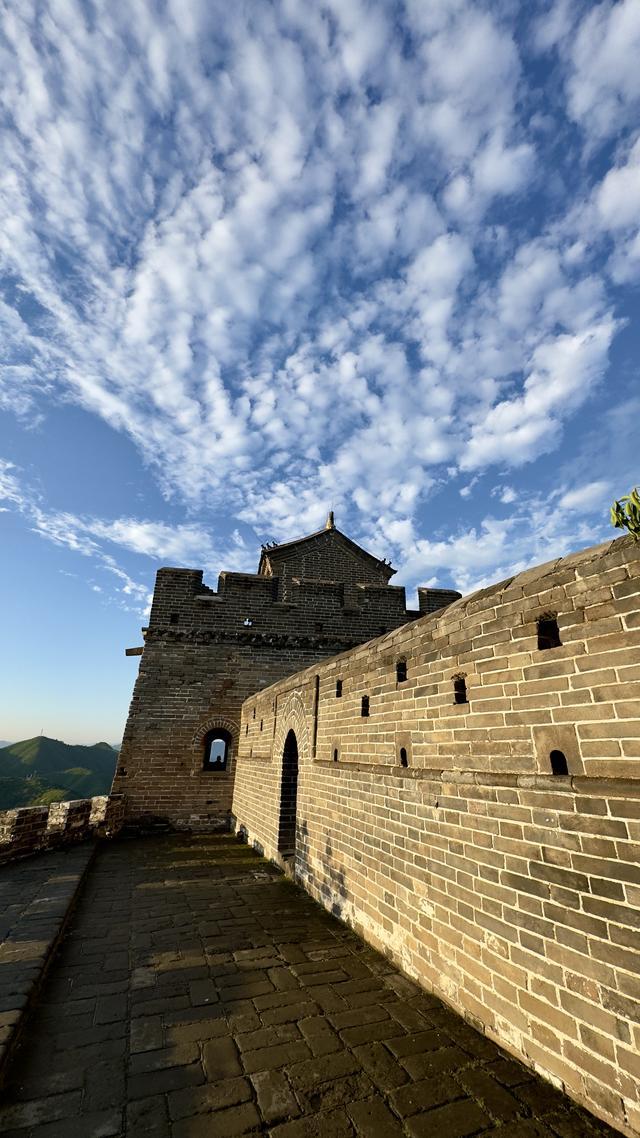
x: 31, y: 829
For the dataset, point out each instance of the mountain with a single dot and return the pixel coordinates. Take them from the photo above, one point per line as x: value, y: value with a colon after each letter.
x: 38, y: 771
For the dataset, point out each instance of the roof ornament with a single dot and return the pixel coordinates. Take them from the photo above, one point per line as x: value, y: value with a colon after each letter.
x: 330, y: 523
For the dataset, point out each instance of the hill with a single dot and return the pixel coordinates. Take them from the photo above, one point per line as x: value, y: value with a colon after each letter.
x: 38, y: 771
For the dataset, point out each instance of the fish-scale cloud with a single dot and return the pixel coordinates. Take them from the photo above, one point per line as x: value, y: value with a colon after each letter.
x: 307, y: 253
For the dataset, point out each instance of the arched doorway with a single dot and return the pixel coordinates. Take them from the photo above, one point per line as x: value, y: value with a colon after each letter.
x: 288, y: 797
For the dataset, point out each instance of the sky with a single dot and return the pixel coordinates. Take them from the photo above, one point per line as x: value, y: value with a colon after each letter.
x: 263, y: 260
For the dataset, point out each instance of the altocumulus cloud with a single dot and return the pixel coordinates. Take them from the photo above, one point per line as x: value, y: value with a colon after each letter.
x: 305, y: 253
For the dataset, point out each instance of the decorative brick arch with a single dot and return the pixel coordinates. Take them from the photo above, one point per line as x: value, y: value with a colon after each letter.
x: 230, y: 725
x: 292, y: 717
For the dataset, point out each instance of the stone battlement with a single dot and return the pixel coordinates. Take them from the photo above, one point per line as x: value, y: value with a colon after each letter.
x: 465, y: 792
x: 32, y: 829
x: 205, y: 651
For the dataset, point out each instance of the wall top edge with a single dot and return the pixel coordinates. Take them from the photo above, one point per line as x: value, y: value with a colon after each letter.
x: 619, y: 551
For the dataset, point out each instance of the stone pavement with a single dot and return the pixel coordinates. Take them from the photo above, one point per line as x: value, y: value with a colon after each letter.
x: 200, y: 993
x: 36, y: 896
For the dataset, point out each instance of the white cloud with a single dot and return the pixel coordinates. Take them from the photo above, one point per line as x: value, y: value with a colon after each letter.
x: 617, y: 206
x: 563, y: 371
x: 538, y: 529
x: 588, y: 497
x: 267, y: 250
x: 603, y: 86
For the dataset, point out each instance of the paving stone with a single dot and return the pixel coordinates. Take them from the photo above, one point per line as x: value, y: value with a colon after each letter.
x: 288, y: 1013
x: 381, y: 1066
x: 177, y: 1055
x: 306, y: 1076
x: 203, y: 992
x: 35, y: 1111
x: 416, y: 1044
x: 424, y: 1095
x: 146, y: 1034
x: 199, y: 1031
x: 98, y: 1124
x: 373, y: 1119
x: 55, y: 1083
x: 104, y: 1086
x: 161, y: 1082
x: 456, y: 1120
x: 497, y: 1101
x: 431, y: 1063
x: 331, y: 1124
x: 509, y: 1072
x: 276, y: 1100
x: 267, y: 1037
x: 224, y: 1124
x: 354, y: 1017
x: 333, y: 1093
x: 319, y: 1035
x: 221, y: 1060
x: 282, y: 979
x: 363, y: 1055
x: 148, y: 1116
x: 212, y: 1096
x: 269, y: 1058
x: 368, y: 1032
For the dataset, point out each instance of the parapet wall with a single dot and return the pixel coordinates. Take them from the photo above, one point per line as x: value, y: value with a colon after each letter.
x: 206, y: 651
x: 31, y: 829
x: 440, y: 832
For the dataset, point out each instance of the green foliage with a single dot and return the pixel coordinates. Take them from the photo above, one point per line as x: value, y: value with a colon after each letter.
x: 36, y: 772
x: 48, y: 797
x: 625, y: 513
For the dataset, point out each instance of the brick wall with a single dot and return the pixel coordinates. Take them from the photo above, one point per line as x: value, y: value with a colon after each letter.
x: 31, y: 829
x: 511, y: 891
x: 205, y: 652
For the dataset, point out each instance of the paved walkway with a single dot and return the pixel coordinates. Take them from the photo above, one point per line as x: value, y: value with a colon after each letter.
x: 35, y: 899
x: 199, y: 993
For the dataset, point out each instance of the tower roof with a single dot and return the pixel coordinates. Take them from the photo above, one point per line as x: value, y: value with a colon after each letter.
x: 329, y: 534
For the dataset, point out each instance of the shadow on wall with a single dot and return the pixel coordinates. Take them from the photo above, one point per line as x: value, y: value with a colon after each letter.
x: 330, y: 883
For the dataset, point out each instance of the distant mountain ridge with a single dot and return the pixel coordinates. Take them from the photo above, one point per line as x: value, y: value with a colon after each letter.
x: 38, y: 771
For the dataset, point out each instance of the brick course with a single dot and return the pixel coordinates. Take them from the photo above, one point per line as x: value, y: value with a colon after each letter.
x: 510, y: 891
x: 201, y: 660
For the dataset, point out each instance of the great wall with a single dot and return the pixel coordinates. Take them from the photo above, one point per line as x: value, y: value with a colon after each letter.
x: 462, y: 790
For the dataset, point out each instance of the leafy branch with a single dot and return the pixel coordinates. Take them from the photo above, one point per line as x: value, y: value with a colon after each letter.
x: 625, y: 513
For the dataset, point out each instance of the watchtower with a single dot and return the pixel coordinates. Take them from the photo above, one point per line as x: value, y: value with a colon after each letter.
x: 205, y: 651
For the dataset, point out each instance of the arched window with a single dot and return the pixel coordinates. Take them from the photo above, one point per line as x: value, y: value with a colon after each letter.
x: 404, y: 758
x: 364, y: 706
x: 559, y: 764
x: 338, y: 689
x: 217, y: 749
x: 401, y: 671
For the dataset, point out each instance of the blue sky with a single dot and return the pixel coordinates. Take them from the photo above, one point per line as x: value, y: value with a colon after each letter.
x: 263, y: 259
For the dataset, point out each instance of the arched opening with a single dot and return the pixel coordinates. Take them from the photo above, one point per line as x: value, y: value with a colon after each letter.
x: 401, y: 671
x: 404, y: 758
x: 559, y: 764
x: 217, y: 748
x: 288, y: 797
